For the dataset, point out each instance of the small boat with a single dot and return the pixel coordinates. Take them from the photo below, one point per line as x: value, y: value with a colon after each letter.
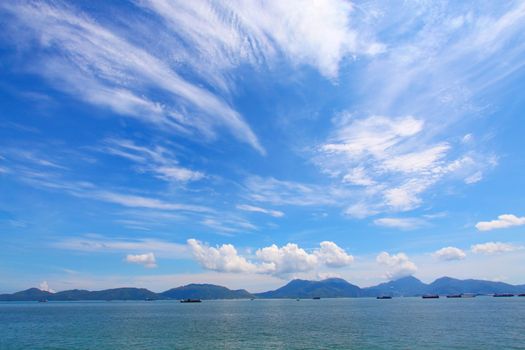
x: 316, y: 298
x: 191, y: 301
x: 252, y: 299
x: 42, y: 301
x: 297, y: 299
x: 503, y: 295
x: 149, y: 299
x: 468, y: 295
x: 384, y: 297
x: 430, y: 296
x: 454, y: 296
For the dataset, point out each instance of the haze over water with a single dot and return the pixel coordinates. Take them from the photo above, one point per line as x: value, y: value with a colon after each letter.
x: 402, y: 323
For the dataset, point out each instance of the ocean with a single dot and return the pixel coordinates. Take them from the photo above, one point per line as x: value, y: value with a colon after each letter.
x: 360, y: 323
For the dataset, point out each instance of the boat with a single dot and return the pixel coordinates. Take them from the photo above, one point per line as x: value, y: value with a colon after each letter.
x: 316, y: 298
x: 191, y: 301
x: 384, y: 297
x: 149, y: 299
x: 42, y: 301
x: 503, y: 295
x: 430, y: 296
x: 454, y: 296
x: 468, y: 295
x: 297, y: 299
x: 521, y: 295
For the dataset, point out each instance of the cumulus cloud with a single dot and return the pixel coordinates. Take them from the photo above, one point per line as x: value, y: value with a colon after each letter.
x: 494, y: 247
x: 252, y: 208
x: 398, y: 265
x: 147, y: 259
x: 289, y: 258
x: 44, y: 286
x: 332, y: 255
x: 449, y: 254
x: 503, y: 221
x: 273, y: 260
x: 224, y: 258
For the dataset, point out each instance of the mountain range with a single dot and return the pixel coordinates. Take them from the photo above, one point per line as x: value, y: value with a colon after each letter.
x: 328, y: 288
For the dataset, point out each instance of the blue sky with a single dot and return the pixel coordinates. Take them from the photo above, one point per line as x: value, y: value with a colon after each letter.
x: 155, y: 143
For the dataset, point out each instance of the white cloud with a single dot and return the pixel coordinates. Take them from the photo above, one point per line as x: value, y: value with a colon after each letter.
x: 289, y: 258
x: 399, y: 265
x: 332, y: 255
x: 503, y: 221
x: 134, y: 201
x: 158, y: 160
x: 228, y: 224
x: 224, y: 258
x: 105, y: 69
x: 44, y: 286
x: 279, y: 192
x: 401, y: 223
x: 449, y: 254
x: 474, y: 178
x: 416, y: 162
x: 254, y: 32
x: 96, y: 243
x: 360, y: 210
x: 147, y: 259
x: 273, y: 260
x: 251, y: 208
x: 357, y: 138
x: 88, y: 190
x: 385, y: 163
x: 442, y: 44
x: 494, y: 247
x: 358, y: 176
x: 326, y: 275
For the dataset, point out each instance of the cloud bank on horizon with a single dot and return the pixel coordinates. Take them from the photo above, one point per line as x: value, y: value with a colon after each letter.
x: 263, y: 140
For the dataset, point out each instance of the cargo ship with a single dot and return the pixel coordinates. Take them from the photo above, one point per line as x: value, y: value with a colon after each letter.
x: 430, y: 296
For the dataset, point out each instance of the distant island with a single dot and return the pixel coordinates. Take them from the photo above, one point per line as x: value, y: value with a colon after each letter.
x: 328, y: 288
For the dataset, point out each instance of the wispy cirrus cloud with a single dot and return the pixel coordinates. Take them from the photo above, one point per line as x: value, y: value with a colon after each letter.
x: 402, y: 138
x: 255, y: 209
x: 84, y: 189
x: 401, y: 223
x: 385, y: 164
x: 116, y: 66
x: 226, y: 34
x: 101, y: 244
x: 102, y: 67
x: 156, y: 159
x: 281, y: 192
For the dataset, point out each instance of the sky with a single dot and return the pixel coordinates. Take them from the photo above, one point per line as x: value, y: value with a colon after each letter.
x: 156, y: 143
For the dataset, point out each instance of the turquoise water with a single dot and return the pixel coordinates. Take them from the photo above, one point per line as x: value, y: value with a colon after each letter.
x: 403, y: 323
